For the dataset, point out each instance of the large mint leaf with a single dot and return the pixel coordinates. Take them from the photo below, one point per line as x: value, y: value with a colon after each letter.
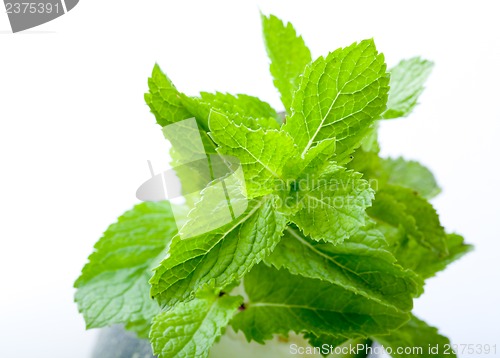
x: 420, y: 259
x: 280, y: 302
x: 191, y: 328
x: 416, y: 339
x: 361, y: 264
x: 288, y: 54
x: 248, y: 110
x: 340, y: 97
x: 332, y: 204
x: 164, y: 100
x: 407, y: 83
x: 113, y: 286
x: 219, y: 257
x: 262, y: 154
x: 401, y: 207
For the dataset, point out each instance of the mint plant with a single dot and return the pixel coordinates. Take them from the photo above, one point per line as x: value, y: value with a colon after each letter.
x: 327, y: 239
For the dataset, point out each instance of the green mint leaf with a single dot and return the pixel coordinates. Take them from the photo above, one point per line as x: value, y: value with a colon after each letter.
x: 361, y: 264
x: 248, y: 110
x: 190, y: 328
x: 164, y: 100
x: 420, y: 340
x: 288, y: 54
x: 281, y: 302
x: 113, y: 287
x: 262, y: 154
x: 340, y: 97
x: 423, y: 261
x: 407, y: 83
x: 399, y: 206
x: 332, y: 204
x: 170, y: 106
x: 240, y: 104
x: 406, y: 173
x: 410, y: 174
x: 219, y: 257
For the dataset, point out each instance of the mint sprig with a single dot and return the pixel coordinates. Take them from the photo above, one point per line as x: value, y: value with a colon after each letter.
x: 326, y: 238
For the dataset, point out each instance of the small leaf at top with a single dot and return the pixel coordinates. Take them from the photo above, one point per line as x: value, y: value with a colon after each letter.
x: 288, y: 54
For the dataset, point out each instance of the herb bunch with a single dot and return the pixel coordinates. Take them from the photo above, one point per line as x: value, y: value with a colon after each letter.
x: 333, y: 242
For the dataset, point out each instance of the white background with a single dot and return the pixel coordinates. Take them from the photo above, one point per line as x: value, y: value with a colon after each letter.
x: 75, y: 135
